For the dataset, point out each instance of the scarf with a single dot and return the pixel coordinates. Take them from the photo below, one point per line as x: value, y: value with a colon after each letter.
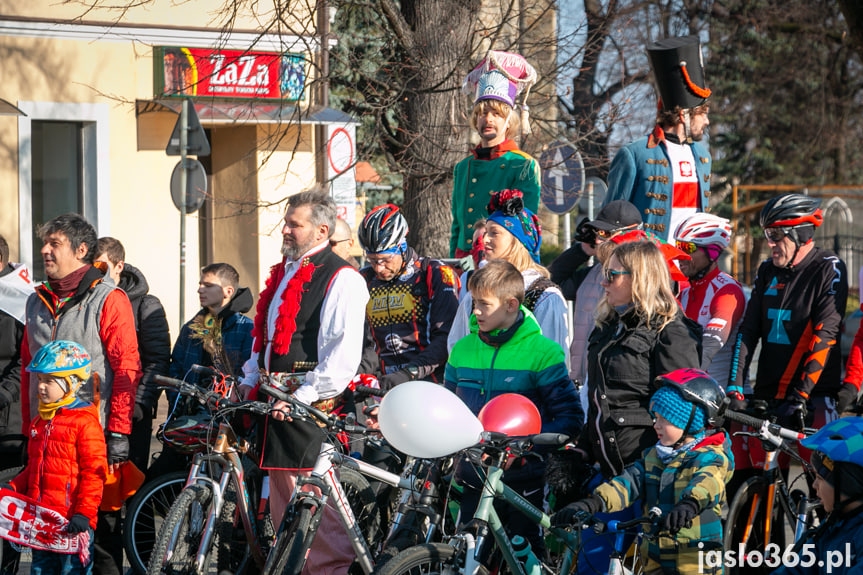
x: 48, y: 410
x: 667, y: 453
x: 65, y: 287
x: 286, y: 322
x: 499, y: 337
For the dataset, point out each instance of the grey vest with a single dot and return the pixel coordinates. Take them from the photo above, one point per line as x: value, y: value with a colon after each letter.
x: 80, y: 323
x: 584, y: 320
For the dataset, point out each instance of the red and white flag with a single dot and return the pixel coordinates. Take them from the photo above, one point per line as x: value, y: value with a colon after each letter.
x: 24, y: 521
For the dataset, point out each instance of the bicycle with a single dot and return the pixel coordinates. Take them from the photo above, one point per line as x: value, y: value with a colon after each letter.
x: 465, y: 551
x: 303, y: 516
x: 187, y: 431
x: 765, y: 504
x: 199, y: 514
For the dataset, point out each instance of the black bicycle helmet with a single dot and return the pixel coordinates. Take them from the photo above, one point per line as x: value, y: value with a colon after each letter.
x: 697, y: 387
x: 187, y: 434
x: 383, y: 229
x: 791, y: 210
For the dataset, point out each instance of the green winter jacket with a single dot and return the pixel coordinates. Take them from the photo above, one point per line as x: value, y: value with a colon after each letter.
x: 474, y: 182
x: 528, y: 363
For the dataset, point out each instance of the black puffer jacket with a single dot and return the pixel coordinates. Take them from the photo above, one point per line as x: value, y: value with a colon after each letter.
x: 624, y: 357
x: 154, y: 338
x: 11, y: 332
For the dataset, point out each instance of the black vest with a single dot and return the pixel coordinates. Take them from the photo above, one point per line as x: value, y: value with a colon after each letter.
x: 303, y: 352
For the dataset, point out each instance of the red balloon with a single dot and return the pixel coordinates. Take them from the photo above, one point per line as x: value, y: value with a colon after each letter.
x: 511, y: 413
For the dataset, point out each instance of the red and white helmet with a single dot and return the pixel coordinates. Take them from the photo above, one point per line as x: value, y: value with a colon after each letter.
x: 704, y: 229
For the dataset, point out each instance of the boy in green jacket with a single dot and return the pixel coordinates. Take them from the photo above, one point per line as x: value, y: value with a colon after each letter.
x: 507, y: 353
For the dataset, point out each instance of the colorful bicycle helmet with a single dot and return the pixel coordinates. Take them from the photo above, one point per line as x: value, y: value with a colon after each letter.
x: 383, y: 230
x: 62, y: 358
x: 698, y: 389
x: 791, y: 210
x: 703, y: 230
x: 837, y: 455
x: 188, y: 433
x: 512, y: 414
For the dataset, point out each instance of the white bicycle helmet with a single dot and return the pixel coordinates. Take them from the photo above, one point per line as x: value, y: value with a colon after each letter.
x: 704, y: 229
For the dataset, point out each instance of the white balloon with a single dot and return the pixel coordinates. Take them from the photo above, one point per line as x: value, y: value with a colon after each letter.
x: 426, y: 420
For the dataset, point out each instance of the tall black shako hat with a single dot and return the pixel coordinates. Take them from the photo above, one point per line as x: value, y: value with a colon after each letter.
x: 678, y: 69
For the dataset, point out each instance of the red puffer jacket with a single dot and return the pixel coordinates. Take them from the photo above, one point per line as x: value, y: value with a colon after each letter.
x: 67, y: 462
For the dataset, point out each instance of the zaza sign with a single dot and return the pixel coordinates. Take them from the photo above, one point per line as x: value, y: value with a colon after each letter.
x: 228, y: 74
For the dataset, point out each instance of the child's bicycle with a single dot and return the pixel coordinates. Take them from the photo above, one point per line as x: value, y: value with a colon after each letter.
x: 766, y: 504
x: 483, y: 546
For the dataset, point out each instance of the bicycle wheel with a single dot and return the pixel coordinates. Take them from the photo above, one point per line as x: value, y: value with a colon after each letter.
x: 288, y: 554
x: 234, y: 553
x: 364, y: 504
x: 746, y: 521
x: 145, y: 513
x: 186, y: 517
x: 427, y: 559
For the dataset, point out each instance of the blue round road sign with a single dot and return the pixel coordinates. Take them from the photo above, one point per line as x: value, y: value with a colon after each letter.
x: 562, y: 177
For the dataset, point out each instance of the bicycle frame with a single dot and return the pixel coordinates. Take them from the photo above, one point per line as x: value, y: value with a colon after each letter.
x: 323, y: 477
x: 494, y: 488
x: 226, y: 453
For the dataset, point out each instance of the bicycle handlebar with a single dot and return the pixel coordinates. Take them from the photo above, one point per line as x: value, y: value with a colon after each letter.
x: 210, y: 398
x: 764, y: 425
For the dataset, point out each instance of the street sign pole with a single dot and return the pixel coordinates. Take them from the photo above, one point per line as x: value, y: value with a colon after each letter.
x: 184, y: 175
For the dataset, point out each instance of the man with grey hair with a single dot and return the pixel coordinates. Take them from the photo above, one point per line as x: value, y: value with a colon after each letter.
x: 308, y: 339
x: 342, y: 241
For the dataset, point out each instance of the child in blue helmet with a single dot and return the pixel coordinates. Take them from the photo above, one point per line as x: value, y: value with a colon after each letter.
x: 837, y: 545
x: 684, y: 475
x: 67, y: 462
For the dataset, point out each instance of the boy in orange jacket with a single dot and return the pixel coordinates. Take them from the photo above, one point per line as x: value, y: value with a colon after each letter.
x: 67, y: 462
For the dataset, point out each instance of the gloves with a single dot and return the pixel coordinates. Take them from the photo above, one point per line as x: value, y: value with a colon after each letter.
x: 389, y: 381
x: 846, y: 398
x: 138, y: 414
x: 583, y: 507
x: 737, y: 401
x: 7, y: 486
x: 791, y: 413
x: 680, y: 516
x: 118, y: 447
x: 77, y: 524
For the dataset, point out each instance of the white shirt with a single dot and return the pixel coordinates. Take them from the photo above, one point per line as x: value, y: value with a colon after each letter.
x: 340, y: 338
x: 550, y: 313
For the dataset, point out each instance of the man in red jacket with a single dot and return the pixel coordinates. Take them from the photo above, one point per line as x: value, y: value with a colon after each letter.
x: 75, y: 304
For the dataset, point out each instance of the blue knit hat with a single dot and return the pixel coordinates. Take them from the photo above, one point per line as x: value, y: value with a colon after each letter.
x: 506, y: 209
x: 668, y: 403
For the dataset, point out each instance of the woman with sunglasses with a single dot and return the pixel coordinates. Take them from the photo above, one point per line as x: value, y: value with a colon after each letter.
x: 640, y: 334
x: 513, y: 233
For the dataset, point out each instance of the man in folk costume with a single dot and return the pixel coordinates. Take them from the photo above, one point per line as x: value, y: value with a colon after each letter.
x: 496, y: 163
x: 666, y: 174
x: 308, y: 337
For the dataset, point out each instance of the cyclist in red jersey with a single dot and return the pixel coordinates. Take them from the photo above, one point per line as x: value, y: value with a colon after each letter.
x: 713, y: 298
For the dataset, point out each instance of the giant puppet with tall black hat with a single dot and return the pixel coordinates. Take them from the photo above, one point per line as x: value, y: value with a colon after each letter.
x: 678, y: 69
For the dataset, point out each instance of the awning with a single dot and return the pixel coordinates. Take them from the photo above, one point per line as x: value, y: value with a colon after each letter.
x: 248, y: 112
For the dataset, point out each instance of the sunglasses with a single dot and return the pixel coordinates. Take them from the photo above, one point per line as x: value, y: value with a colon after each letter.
x: 334, y: 243
x: 686, y: 247
x: 776, y: 234
x: 375, y: 261
x: 611, y: 274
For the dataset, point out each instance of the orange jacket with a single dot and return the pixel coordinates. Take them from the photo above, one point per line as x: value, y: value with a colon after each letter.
x: 67, y: 462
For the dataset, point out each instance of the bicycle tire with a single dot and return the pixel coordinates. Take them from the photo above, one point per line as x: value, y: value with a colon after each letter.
x: 145, y: 514
x: 288, y: 555
x: 738, y: 520
x: 234, y: 553
x: 426, y: 559
x: 188, y: 514
x: 364, y: 503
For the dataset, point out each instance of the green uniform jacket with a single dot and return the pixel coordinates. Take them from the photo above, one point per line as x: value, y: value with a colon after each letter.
x: 474, y: 182
x: 699, y: 474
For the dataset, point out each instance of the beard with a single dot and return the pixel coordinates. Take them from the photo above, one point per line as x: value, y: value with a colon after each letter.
x: 295, y: 251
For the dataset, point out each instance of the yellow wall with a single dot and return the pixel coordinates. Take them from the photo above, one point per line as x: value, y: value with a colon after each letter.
x: 141, y: 214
